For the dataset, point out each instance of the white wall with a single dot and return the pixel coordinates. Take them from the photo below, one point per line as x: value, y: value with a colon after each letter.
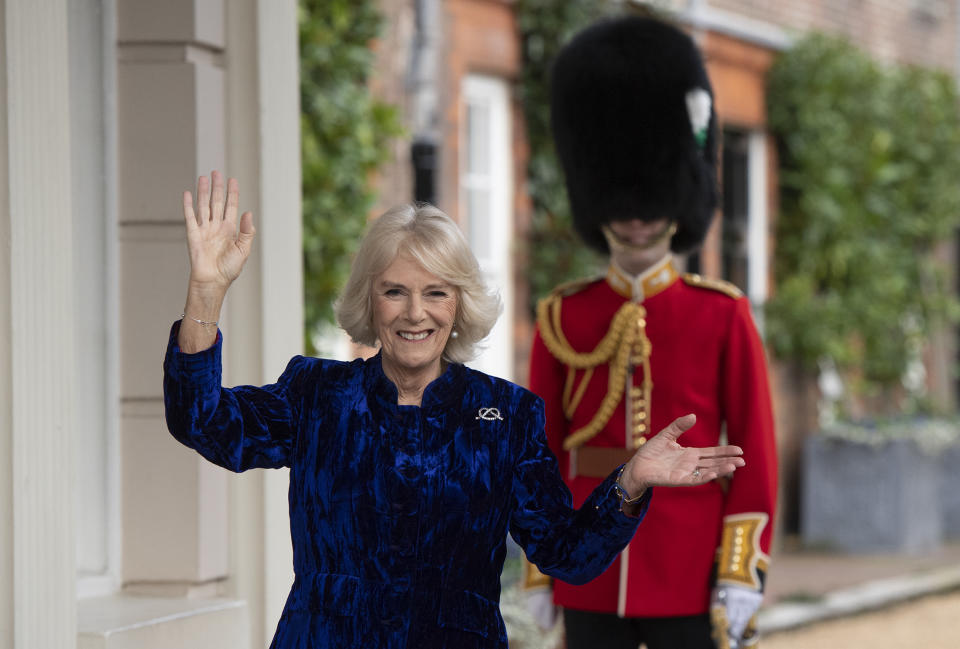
x: 173, y: 69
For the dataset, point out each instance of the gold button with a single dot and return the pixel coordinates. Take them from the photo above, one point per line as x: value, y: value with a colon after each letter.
x: 637, y: 443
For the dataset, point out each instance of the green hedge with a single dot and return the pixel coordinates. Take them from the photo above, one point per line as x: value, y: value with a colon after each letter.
x: 345, y: 136
x: 869, y: 168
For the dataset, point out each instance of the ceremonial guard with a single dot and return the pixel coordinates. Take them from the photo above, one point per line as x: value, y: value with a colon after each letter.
x: 619, y: 357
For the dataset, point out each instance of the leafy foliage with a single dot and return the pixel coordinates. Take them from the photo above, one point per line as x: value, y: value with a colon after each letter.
x: 345, y: 136
x: 869, y: 161
x: 555, y: 252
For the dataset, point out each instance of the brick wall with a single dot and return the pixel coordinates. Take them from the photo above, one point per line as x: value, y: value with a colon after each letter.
x: 909, y: 31
x: 389, y: 82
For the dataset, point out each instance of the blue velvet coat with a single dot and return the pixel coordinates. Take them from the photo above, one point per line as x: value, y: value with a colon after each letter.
x: 398, y: 514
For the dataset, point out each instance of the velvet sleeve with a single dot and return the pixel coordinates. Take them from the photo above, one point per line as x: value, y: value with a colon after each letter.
x: 575, y: 545
x: 237, y: 428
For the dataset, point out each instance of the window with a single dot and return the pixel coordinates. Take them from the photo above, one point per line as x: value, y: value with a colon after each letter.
x: 735, y: 208
x: 486, y: 203
x: 744, y: 224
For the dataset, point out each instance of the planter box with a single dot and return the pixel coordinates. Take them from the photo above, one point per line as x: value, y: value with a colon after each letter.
x: 950, y: 492
x: 864, y: 498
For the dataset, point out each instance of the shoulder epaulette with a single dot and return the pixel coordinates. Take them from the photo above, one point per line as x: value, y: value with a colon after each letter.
x: 719, y: 285
x: 572, y: 287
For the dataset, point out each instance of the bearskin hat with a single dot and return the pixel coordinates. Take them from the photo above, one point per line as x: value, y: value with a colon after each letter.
x: 633, y: 121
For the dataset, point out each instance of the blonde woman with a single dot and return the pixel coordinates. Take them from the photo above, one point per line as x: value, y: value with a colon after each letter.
x: 407, y: 470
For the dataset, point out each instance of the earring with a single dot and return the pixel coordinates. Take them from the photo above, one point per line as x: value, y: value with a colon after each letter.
x: 454, y: 334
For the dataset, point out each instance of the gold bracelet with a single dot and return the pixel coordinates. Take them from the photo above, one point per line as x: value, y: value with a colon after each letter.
x: 625, y: 498
x: 202, y: 323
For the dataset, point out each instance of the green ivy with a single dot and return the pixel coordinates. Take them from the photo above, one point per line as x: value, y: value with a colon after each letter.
x: 555, y: 253
x: 345, y: 136
x: 869, y: 161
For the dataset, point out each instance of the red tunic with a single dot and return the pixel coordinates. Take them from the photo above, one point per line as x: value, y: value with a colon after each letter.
x: 706, y: 358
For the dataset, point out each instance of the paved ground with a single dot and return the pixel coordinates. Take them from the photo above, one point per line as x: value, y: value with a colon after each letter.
x: 806, y: 588
x: 821, y: 599
x: 929, y: 622
x: 798, y: 576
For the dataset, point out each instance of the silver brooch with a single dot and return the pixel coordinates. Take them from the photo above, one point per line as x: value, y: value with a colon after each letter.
x: 489, y: 414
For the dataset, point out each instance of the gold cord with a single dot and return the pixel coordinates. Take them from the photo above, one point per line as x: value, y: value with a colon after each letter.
x: 570, y: 405
x: 626, y: 337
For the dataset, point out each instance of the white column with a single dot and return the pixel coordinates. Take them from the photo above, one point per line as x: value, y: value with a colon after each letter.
x: 278, y: 60
x: 37, y: 308
x: 171, y: 111
x: 6, y: 373
x: 266, y: 306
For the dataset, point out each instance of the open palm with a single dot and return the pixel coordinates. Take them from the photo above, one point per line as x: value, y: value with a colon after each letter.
x: 218, y: 248
x: 663, y: 461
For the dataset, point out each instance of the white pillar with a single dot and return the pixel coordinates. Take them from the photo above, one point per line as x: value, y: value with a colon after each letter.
x: 171, y: 111
x: 6, y: 374
x: 265, y: 311
x: 278, y: 60
x: 37, y: 570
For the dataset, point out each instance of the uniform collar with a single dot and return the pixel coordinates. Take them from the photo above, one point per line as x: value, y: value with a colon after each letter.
x: 645, y: 285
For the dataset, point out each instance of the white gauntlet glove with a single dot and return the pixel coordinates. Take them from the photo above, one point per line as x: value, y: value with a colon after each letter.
x: 733, y: 611
x: 741, y: 567
x: 538, y: 596
x: 540, y: 605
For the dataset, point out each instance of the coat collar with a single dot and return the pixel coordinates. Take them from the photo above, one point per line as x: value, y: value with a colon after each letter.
x: 446, y: 388
x: 645, y: 285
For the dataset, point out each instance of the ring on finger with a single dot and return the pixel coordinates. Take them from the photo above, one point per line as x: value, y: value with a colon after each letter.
x: 696, y: 472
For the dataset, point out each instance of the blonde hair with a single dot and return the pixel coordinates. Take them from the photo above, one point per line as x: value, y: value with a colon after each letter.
x: 432, y: 239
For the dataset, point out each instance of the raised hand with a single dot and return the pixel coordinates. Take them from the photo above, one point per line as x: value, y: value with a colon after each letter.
x: 218, y: 249
x: 663, y: 461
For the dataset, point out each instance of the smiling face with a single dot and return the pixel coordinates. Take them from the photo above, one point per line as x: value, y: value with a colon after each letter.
x: 642, y: 243
x: 413, y: 315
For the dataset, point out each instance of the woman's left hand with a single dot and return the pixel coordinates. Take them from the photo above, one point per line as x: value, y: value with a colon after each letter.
x: 661, y: 461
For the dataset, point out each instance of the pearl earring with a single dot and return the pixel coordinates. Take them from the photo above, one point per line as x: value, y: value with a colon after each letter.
x: 454, y: 334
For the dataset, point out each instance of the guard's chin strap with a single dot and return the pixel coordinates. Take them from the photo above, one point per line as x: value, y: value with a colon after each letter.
x: 616, y: 243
